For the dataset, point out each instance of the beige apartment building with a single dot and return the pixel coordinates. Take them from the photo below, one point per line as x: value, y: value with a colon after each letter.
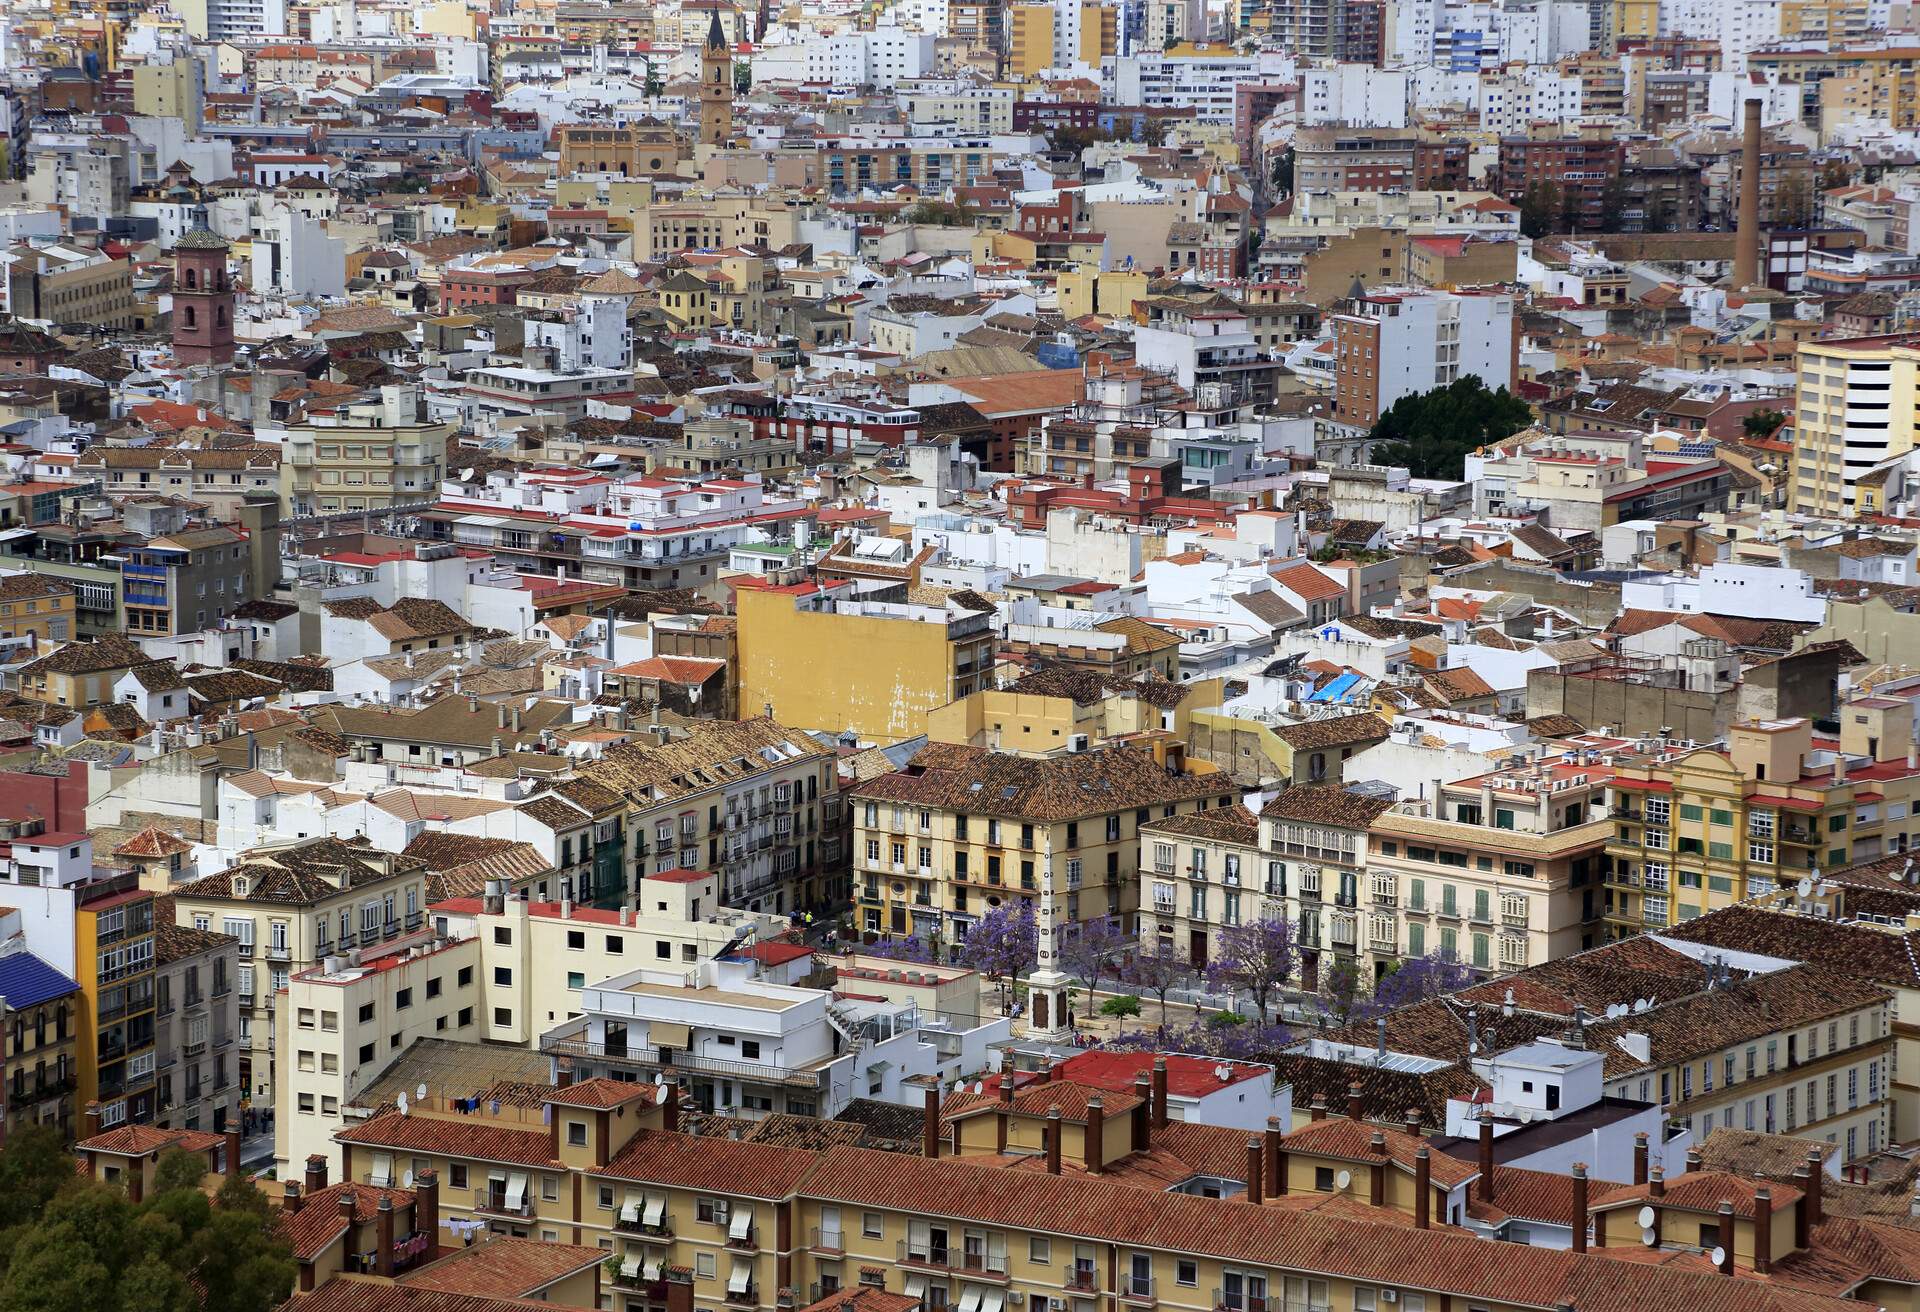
x: 753, y: 801
x: 1710, y: 828
x: 71, y: 286
x: 369, y: 453
x: 961, y: 831
x: 1506, y: 876
x: 290, y: 907
x: 712, y: 223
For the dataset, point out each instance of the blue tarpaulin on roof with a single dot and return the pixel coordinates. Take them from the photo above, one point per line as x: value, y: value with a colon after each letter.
x: 1336, y: 690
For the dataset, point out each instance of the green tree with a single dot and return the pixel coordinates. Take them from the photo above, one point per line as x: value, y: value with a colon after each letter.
x: 938, y: 213
x: 86, y: 1248
x: 1283, y: 171
x: 1125, y: 1004
x: 1542, y: 209
x: 742, y: 77
x: 653, y: 85
x: 1071, y: 140
x: 1762, y: 423
x: 1432, y: 433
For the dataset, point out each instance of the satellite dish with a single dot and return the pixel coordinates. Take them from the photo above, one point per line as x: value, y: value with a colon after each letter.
x: 1649, y: 1237
x: 1343, y: 1179
x: 979, y: 1086
x: 402, y: 1101
x: 1719, y: 1257
x: 1804, y: 888
x: 421, y: 1092
x: 1645, y: 1218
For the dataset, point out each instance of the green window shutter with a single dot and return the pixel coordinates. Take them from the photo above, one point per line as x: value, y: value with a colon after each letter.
x: 1480, y: 951
x: 1416, y: 940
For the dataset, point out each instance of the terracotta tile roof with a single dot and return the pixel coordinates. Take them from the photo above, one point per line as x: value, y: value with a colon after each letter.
x: 138, y: 1140
x: 152, y: 842
x: 366, y: 1296
x: 1862, y: 950
x: 1308, y: 583
x: 1326, y: 804
x: 1221, y: 824
x: 1699, y: 1191
x: 603, y: 1093
x: 109, y: 652
x: 1524, y: 1195
x: 758, y: 1170
x: 980, y: 782
x: 471, y: 1137
x: 1351, y: 1141
x: 304, y: 874
x: 503, y: 1265
x: 319, y: 1221
x: 1038, y: 1100
x: 1439, y: 1259
x: 1339, y: 731
x: 1759, y: 1156
x: 1706, y: 1022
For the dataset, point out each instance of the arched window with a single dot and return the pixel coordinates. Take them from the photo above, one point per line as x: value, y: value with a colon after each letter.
x: 189, y: 310
x: 220, y: 316
x: 192, y: 273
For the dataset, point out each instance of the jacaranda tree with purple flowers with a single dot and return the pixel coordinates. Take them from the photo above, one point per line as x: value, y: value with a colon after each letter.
x: 911, y: 948
x: 1097, y: 949
x: 1257, y: 958
x: 1004, y: 943
x: 1420, y: 979
x: 1158, y: 969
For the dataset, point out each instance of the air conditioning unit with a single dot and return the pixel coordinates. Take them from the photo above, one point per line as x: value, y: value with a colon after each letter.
x: 1389, y: 1296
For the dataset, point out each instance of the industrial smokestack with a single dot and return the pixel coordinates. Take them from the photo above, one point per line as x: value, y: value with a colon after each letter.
x: 1746, y: 244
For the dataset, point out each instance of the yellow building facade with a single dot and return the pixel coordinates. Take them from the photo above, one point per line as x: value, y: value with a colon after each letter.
x: 804, y: 654
x: 964, y: 831
x: 1854, y: 407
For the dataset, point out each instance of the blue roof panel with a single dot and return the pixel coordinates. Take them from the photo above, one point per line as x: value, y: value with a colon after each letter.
x: 27, y: 981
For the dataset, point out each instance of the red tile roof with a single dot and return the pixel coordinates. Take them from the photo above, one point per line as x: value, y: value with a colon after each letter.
x: 472, y: 1137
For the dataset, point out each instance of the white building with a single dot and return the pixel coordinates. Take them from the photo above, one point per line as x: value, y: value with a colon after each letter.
x: 590, y: 334
x: 1724, y: 589
x: 294, y: 256
x: 1355, y: 95
x: 746, y: 1046
x: 1426, y: 339
x: 1509, y: 102
x: 878, y: 58
x: 1200, y: 77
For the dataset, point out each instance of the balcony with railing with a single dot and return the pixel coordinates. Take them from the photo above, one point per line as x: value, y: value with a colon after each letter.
x: 830, y: 1243
x: 1080, y: 1278
x: 1138, y: 1290
x: 1228, y: 1300
x: 973, y: 1263
x: 647, y: 1220
x: 498, y: 1201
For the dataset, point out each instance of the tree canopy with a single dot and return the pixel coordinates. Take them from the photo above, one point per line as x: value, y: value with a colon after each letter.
x: 1432, y: 433
x: 71, y: 1244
